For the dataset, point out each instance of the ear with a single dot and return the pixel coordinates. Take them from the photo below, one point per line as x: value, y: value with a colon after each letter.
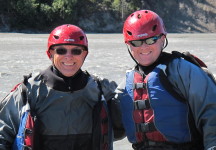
x: 163, y: 39
x: 51, y: 53
x: 164, y: 42
x: 85, y: 53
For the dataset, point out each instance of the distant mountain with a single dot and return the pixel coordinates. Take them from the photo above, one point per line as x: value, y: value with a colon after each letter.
x: 186, y: 16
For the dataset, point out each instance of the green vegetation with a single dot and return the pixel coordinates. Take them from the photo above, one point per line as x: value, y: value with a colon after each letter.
x: 104, y: 15
x: 40, y: 15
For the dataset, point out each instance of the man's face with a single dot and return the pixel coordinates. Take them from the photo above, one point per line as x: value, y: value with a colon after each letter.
x: 68, y: 59
x: 146, y: 54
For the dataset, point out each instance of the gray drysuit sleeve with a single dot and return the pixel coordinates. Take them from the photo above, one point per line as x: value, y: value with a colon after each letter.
x: 10, y: 112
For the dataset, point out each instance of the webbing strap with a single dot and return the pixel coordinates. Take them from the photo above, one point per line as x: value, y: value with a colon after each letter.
x: 139, y: 85
x: 105, y: 138
x: 165, y: 145
x: 28, y: 131
x: 142, y: 104
x: 26, y: 147
x: 145, y: 127
x: 24, y: 88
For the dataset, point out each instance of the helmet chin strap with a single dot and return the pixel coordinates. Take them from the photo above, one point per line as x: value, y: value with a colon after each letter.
x: 129, y: 51
x: 164, y: 46
x: 166, y: 40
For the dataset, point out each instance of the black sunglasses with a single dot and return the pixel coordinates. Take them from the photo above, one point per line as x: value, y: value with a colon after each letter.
x: 63, y: 51
x: 148, y: 41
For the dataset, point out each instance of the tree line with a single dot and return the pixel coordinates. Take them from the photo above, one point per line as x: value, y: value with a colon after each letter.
x: 103, y: 15
x: 40, y: 15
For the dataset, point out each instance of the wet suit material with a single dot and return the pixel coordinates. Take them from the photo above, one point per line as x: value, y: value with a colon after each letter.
x: 64, y: 108
x: 59, y: 82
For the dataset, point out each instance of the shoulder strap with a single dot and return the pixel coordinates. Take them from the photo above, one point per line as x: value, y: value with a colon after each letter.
x: 196, y: 61
x: 168, y: 57
x: 24, y: 88
x: 100, y: 120
x: 196, y: 137
x: 99, y: 85
x: 189, y: 57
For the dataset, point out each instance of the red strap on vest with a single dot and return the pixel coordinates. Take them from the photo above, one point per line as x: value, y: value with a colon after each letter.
x: 104, y: 128
x: 29, y: 131
x: 143, y: 114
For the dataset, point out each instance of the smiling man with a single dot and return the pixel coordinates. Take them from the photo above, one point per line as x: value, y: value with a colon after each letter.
x: 167, y: 103
x: 62, y: 107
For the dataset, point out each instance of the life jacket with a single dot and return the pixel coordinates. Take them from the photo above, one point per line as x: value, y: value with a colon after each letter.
x: 157, y: 115
x: 27, y: 132
x: 143, y: 113
x: 168, y: 121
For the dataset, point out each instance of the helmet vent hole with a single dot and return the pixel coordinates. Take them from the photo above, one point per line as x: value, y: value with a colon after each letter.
x: 82, y: 37
x: 146, y: 11
x: 132, y: 15
x: 129, y: 33
x: 56, y: 37
x: 154, y: 27
x: 139, y: 16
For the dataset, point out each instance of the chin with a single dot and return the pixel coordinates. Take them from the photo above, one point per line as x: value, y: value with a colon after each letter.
x: 146, y: 64
x: 68, y: 74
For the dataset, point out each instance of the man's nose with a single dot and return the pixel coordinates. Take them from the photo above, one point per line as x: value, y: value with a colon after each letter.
x: 69, y: 54
x: 144, y: 45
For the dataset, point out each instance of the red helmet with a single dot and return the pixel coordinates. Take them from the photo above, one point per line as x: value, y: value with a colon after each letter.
x: 67, y: 34
x: 143, y: 24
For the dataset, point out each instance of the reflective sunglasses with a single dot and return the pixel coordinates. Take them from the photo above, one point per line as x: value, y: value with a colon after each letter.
x: 148, y: 41
x: 63, y: 51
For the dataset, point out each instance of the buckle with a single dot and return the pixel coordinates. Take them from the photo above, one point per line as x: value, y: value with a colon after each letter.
x: 28, y: 131
x: 139, y: 86
x: 25, y: 147
x: 142, y: 104
x: 145, y: 127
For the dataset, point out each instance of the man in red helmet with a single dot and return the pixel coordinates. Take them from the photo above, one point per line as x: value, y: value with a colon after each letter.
x: 62, y: 107
x: 167, y: 103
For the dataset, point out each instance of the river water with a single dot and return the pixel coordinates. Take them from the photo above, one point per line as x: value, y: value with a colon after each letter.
x: 22, y: 54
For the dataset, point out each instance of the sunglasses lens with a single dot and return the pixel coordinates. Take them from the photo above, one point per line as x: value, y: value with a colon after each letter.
x: 61, y: 51
x: 136, y: 43
x: 76, y: 51
x: 148, y: 41
x: 151, y: 41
